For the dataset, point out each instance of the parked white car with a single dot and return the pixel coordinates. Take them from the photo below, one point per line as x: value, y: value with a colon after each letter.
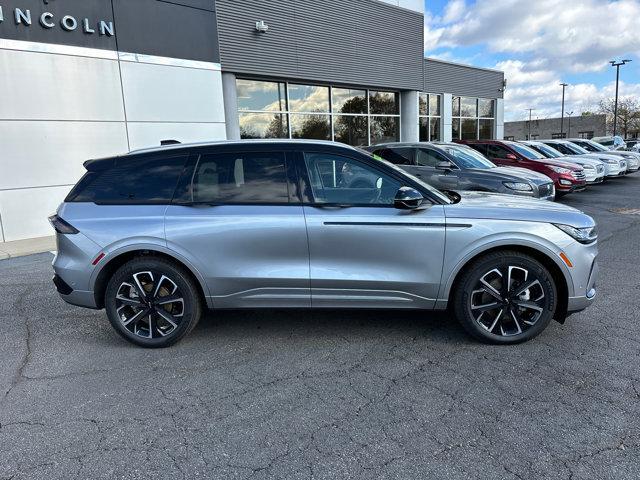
x: 616, y: 165
x: 595, y: 170
x: 633, y: 158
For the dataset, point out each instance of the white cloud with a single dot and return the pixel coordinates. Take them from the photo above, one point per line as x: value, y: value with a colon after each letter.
x: 544, y: 41
x: 454, y: 11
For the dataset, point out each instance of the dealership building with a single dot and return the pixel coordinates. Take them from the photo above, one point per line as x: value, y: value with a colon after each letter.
x: 93, y: 78
x: 580, y: 126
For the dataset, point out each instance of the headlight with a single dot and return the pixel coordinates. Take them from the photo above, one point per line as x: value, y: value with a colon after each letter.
x: 610, y: 161
x: 559, y: 169
x: 588, y: 167
x: 582, y: 235
x: 519, y: 186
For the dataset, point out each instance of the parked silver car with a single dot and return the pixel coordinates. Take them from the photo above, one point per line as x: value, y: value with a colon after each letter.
x: 157, y: 235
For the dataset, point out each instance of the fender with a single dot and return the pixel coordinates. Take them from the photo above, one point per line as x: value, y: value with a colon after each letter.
x: 506, y: 240
x: 153, y: 245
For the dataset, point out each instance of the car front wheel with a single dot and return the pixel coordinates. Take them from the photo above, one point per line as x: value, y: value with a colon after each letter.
x: 152, y: 302
x: 505, y: 297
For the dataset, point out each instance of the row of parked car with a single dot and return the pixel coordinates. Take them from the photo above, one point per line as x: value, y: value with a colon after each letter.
x: 546, y: 169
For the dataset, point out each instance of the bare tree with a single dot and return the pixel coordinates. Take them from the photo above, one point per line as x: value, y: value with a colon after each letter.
x: 628, y: 114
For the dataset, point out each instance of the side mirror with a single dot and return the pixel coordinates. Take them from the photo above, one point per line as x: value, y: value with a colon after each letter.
x: 408, y: 198
x: 511, y: 156
x: 445, y: 165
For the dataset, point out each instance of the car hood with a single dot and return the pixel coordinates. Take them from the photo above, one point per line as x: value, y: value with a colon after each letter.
x: 480, y: 205
x: 586, y: 159
x: 560, y: 163
x: 523, y: 172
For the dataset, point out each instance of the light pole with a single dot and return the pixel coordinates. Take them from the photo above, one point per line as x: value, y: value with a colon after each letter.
x: 530, y: 110
x: 569, y: 115
x: 563, y: 85
x: 615, y: 107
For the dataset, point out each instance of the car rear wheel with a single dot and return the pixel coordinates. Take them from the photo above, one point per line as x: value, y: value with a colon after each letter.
x: 152, y: 302
x: 505, y: 297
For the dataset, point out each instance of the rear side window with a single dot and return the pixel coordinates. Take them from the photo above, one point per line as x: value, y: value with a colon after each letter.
x: 398, y: 156
x: 241, y: 178
x: 149, y: 180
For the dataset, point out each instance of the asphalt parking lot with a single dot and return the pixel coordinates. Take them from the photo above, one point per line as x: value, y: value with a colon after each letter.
x: 297, y: 394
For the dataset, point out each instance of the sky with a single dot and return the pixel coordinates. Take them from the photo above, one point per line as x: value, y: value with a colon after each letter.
x: 539, y: 44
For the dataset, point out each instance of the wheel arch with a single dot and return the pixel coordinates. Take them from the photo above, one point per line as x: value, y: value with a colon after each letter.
x: 119, y: 258
x: 560, y: 278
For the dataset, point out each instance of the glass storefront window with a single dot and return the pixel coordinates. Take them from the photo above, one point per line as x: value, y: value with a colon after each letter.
x: 308, y: 98
x: 434, y: 129
x: 486, y: 129
x: 351, y: 129
x: 256, y: 95
x: 434, y: 105
x: 263, y: 125
x: 455, y: 129
x: 468, y: 107
x: 485, y: 107
x: 469, y: 130
x: 423, y: 104
x: 355, y: 116
x: 383, y: 103
x: 317, y: 127
x: 429, y: 122
x: 475, y: 119
x: 385, y: 129
x: 455, y: 106
x: 345, y: 100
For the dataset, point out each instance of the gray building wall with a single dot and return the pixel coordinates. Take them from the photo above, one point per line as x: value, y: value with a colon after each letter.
x: 462, y: 80
x: 546, y: 128
x: 183, y: 29
x: 358, y: 42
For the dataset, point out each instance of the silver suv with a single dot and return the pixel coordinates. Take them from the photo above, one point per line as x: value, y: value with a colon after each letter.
x: 158, y: 235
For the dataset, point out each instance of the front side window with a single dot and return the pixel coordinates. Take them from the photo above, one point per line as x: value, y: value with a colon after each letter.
x: 335, y: 179
x: 429, y: 158
x: 496, y: 151
x: 241, y: 178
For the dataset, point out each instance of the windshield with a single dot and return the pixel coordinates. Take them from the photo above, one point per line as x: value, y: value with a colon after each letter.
x: 527, y: 152
x: 575, y: 148
x: 436, y: 193
x: 467, y: 157
x: 592, y: 146
x: 548, y: 151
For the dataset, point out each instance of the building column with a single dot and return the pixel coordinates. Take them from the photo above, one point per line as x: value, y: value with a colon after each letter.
x: 447, y: 114
x: 498, y: 132
x: 230, y: 98
x: 409, y: 117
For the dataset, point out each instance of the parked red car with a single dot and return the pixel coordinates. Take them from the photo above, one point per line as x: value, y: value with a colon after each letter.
x: 567, y: 177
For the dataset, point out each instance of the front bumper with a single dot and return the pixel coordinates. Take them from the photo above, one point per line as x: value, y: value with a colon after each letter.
x: 588, y: 290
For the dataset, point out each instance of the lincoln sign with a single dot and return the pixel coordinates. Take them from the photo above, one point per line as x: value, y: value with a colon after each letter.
x: 67, y: 22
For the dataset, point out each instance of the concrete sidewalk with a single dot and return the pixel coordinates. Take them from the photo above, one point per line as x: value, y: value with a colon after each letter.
x: 29, y: 246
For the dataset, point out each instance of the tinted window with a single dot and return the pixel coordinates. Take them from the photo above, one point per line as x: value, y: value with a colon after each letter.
x: 562, y: 148
x: 236, y: 178
x: 496, y: 151
x: 149, y: 180
x: 398, y: 156
x: 469, y: 158
x: 339, y: 180
x: 527, y: 152
x: 429, y: 158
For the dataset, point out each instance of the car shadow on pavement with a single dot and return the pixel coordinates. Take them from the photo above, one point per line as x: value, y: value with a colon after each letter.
x: 438, y: 327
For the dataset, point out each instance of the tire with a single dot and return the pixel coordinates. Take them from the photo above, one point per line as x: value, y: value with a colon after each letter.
x: 153, y: 302
x: 519, y: 313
